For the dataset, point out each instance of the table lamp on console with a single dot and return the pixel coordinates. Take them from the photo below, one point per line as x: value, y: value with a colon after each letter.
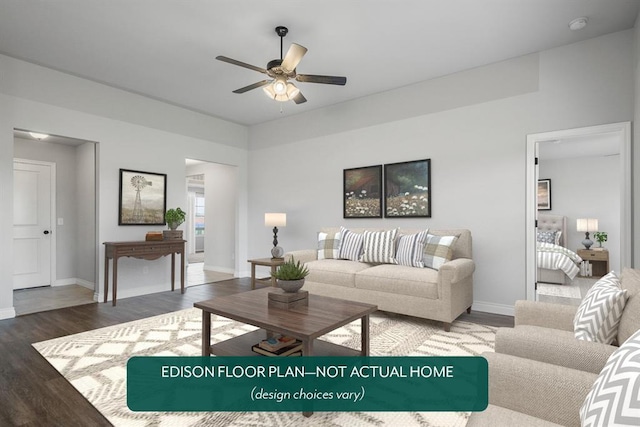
x: 587, y: 225
x: 275, y: 220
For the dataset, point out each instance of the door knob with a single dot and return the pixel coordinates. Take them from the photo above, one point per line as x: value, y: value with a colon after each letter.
x: 46, y: 231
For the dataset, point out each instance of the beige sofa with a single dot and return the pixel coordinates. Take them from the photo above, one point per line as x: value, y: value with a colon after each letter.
x: 422, y: 292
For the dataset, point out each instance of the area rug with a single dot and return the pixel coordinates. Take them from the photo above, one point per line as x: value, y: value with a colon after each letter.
x: 565, y: 291
x: 94, y: 362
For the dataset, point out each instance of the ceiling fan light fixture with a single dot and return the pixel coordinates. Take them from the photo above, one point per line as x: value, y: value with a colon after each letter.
x: 292, y: 90
x: 280, y: 86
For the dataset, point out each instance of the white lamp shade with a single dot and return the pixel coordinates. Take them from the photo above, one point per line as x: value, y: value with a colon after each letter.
x: 587, y: 224
x: 275, y: 220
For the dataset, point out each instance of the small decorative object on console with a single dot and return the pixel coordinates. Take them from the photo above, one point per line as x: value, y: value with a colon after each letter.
x: 174, y: 217
x: 153, y: 236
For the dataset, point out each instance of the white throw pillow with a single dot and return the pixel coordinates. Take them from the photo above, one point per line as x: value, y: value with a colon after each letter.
x: 410, y: 250
x: 379, y: 247
x: 614, y: 399
x: 599, y: 313
x: 351, y: 245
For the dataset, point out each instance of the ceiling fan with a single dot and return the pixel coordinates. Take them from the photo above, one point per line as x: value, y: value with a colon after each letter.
x: 282, y: 70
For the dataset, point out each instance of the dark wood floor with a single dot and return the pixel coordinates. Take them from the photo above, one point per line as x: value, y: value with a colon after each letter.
x: 32, y: 393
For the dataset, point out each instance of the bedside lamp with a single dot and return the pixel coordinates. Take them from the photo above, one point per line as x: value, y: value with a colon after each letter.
x: 275, y: 220
x: 587, y: 225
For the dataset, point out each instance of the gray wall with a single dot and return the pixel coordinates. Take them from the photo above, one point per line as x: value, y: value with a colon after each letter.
x: 587, y: 187
x: 86, y: 210
x: 472, y: 125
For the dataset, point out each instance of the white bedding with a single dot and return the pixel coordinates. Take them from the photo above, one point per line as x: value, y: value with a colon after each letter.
x: 555, y: 257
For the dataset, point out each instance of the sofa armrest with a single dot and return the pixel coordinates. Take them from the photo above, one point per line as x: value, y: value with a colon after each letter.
x: 304, y: 255
x: 458, y: 269
x: 542, y: 390
x: 553, y: 346
x: 547, y: 315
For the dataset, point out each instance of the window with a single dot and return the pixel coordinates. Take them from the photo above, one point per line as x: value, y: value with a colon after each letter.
x: 199, y: 214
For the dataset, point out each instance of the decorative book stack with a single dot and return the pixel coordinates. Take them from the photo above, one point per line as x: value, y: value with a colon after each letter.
x: 286, y: 300
x: 279, y: 345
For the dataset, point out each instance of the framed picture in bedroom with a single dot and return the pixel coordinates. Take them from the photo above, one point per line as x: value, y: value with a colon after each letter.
x: 544, y: 194
x: 143, y: 198
x: 407, y: 189
x: 362, y: 192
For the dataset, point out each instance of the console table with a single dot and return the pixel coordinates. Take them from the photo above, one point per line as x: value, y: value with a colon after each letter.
x: 148, y: 250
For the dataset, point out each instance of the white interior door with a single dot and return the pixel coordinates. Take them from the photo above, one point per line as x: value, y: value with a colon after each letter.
x: 32, y: 209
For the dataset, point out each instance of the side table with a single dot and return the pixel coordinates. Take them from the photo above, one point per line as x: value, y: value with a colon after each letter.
x: 267, y: 262
x: 598, y: 259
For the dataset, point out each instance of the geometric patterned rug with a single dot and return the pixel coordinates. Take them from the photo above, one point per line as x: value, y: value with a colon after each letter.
x: 94, y: 362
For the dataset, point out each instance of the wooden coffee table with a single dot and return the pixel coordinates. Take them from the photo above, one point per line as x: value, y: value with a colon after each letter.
x: 306, y: 323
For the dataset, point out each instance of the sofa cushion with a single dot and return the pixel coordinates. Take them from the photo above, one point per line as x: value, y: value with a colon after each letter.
x: 599, y: 313
x: 410, y: 250
x: 329, y: 245
x: 399, y: 279
x: 630, y: 320
x: 613, y: 399
x: 334, y: 271
x: 351, y: 245
x: 438, y: 250
x: 379, y: 247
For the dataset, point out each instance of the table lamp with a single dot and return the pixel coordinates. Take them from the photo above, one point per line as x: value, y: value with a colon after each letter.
x: 587, y: 225
x: 275, y: 220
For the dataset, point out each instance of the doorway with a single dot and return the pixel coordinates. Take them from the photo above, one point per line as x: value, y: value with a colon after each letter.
x: 581, y: 137
x: 70, y: 230
x: 212, y: 196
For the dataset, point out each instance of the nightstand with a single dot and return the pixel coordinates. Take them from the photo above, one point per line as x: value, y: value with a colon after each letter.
x: 598, y: 259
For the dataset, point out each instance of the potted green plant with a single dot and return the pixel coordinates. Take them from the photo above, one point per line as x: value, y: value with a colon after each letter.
x: 290, y: 275
x: 174, y: 217
x: 601, y: 237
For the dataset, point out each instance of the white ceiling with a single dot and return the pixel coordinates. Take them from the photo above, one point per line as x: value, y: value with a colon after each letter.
x: 597, y: 145
x: 165, y: 49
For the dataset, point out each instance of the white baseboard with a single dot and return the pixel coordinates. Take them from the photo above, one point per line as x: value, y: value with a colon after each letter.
x: 244, y: 273
x: 64, y: 282
x: 490, y: 307
x: 7, y: 313
x: 218, y: 269
x: 74, y: 281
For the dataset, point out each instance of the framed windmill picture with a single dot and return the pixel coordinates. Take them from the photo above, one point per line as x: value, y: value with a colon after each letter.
x: 143, y: 198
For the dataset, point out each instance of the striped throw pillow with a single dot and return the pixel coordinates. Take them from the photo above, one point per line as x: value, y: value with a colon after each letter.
x: 351, y: 245
x: 612, y: 400
x: 599, y: 313
x: 379, y: 247
x: 410, y: 250
x: 438, y: 250
x: 329, y: 245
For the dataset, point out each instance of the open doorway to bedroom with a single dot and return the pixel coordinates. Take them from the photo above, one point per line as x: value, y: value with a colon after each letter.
x: 210, y: 226
x: 578, y: 181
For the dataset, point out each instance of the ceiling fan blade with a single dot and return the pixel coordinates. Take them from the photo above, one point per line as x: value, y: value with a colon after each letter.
x: 299, y: 98
x: 328, y: 80
x: 293, y: 57
x: 241, y: 64
x: 253, y: 86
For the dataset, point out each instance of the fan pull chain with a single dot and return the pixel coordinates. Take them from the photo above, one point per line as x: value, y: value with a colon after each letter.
x: 281, y: 111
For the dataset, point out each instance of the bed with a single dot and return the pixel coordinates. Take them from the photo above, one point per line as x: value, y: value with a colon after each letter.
x: 556, y: 263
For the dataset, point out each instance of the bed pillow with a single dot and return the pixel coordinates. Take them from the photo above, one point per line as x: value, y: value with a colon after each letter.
x: 410, y: 251
x: 350, y: 245
x: 329, y: 245
x: 438, y: 250
x: 379, y: 247
x: 613, y: 399
x: 599, y: 313
x: 547, y: 237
